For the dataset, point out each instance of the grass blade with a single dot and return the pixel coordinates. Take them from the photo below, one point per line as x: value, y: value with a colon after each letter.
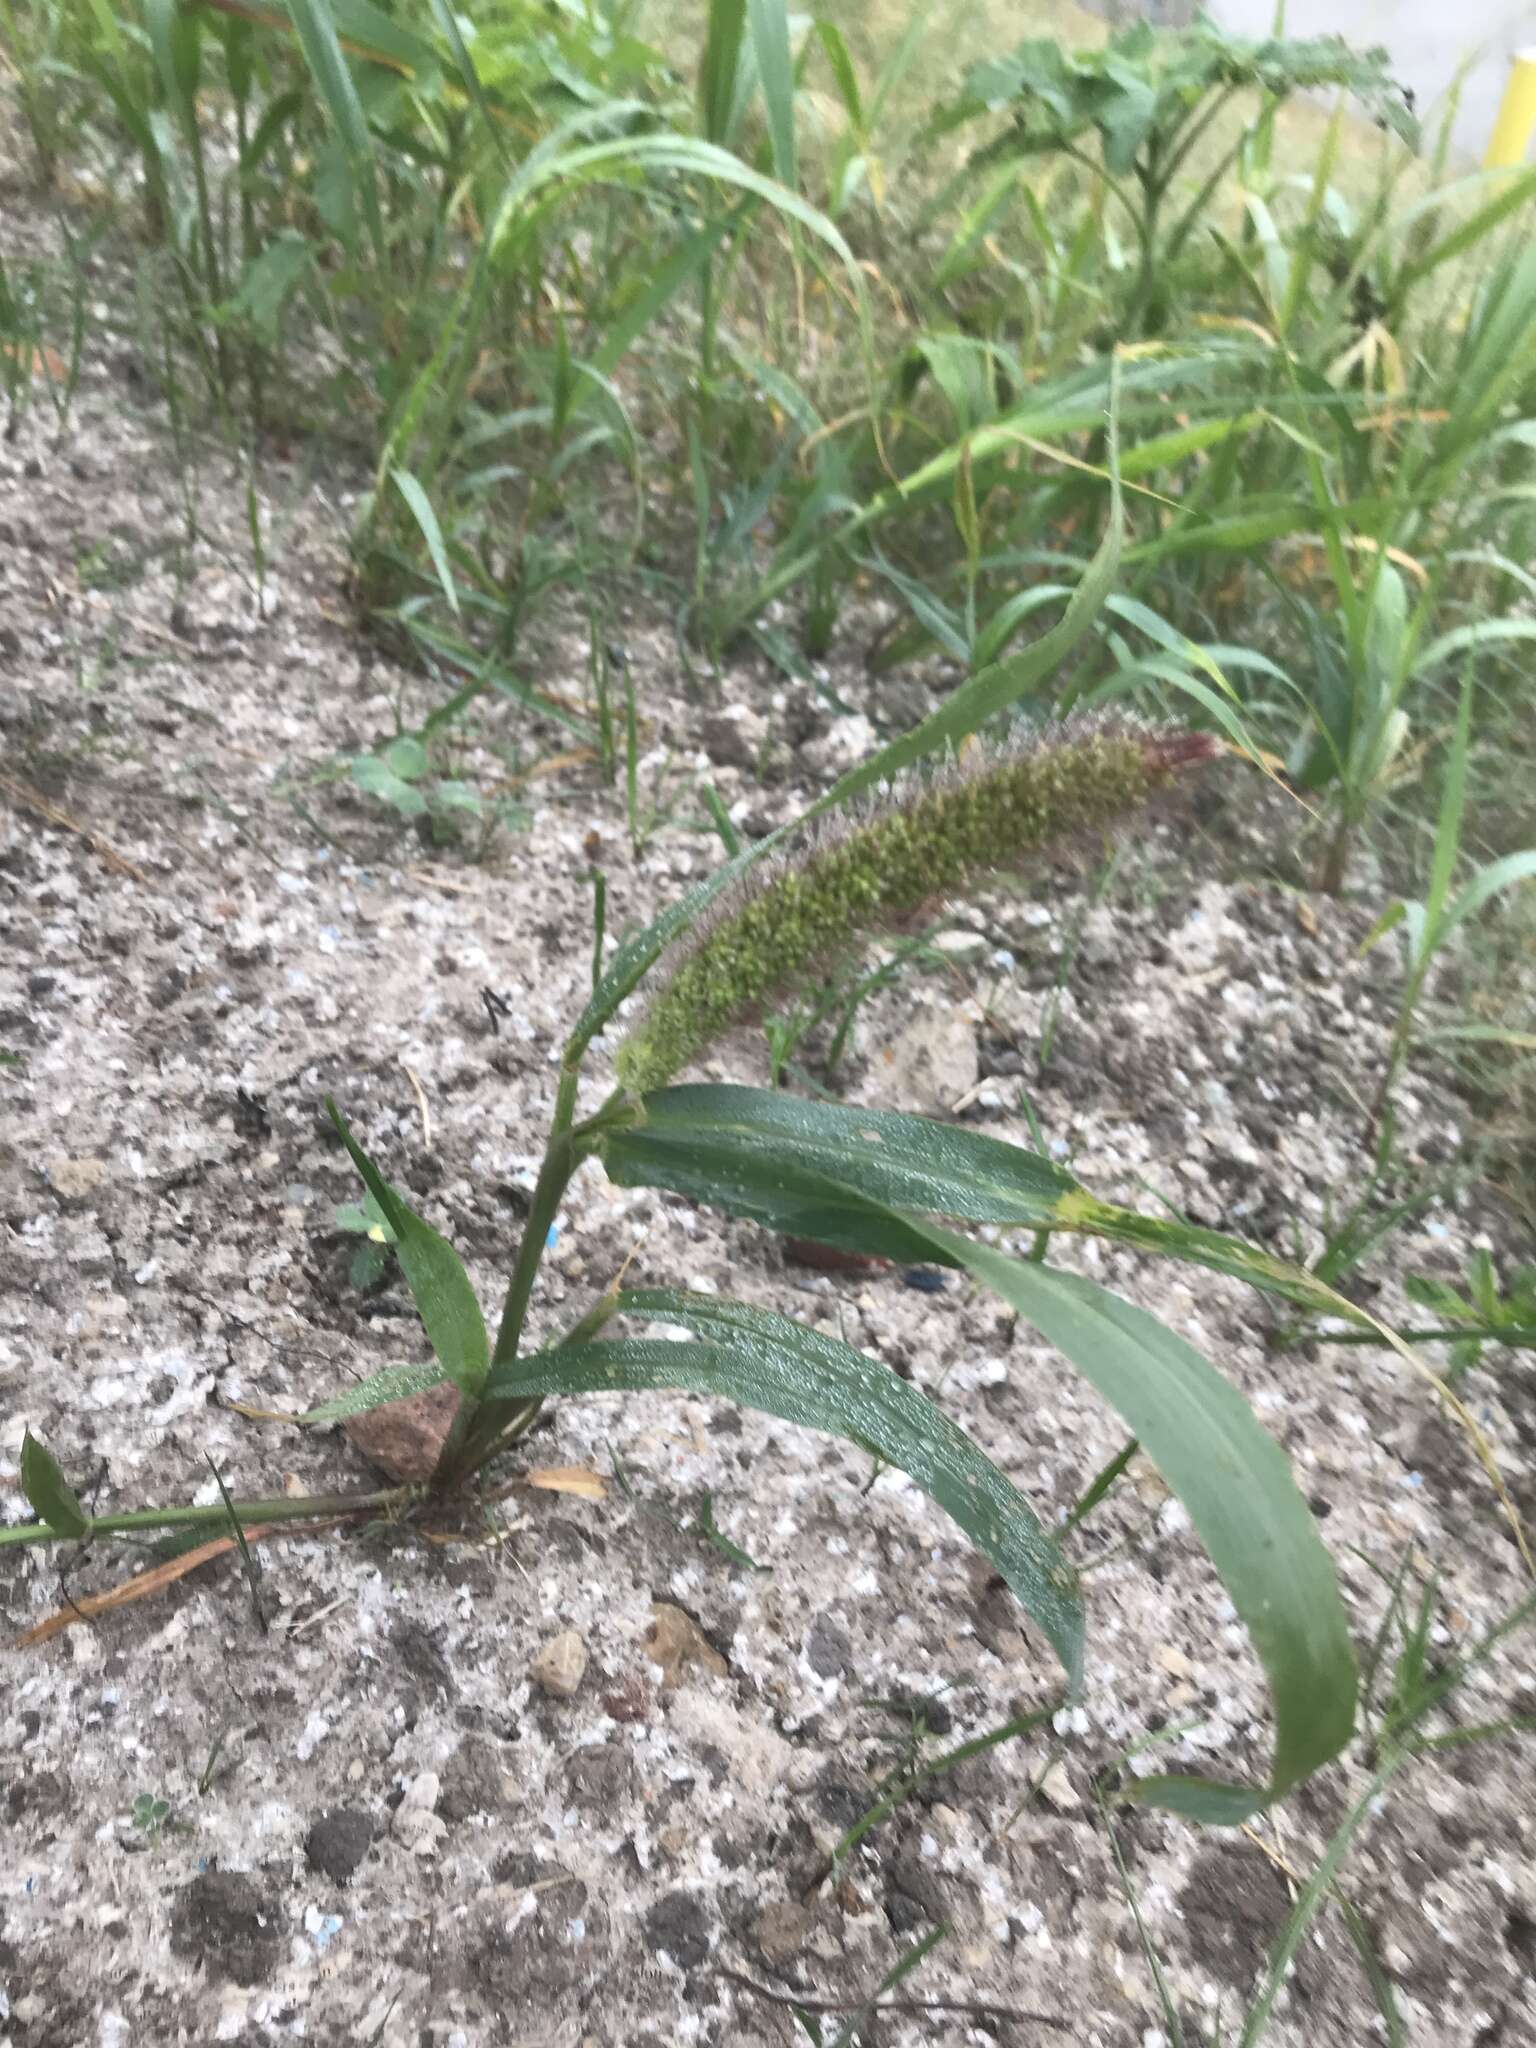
x: 1236, y: 1484
x: 434, y: 1273
x: 432, y: 533
x: 763, y: 1361
x: 830, y: 1171
x: 776, y: 76
x: 389, y: 1383
x: 717, y: 72
x: 316, y: 29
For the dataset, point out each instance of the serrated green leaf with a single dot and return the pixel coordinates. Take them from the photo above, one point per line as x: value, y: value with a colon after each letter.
x: 434, y: 1273
x: 764, y: 1361
x: 49, y: 1493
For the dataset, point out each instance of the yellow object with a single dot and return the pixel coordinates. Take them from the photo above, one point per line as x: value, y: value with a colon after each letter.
x: 1512, y: 131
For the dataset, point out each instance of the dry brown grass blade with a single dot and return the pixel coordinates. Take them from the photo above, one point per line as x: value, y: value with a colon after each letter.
x: 155, y: 1580
x: 27, y: 798
x: 43, y: 360
x: 567, y: 1479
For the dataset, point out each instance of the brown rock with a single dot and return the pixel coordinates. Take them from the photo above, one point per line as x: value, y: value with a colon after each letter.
x: 780, y: 1932
x: 405, y: 1438
x: 676, y: 1642
x: 76, y: 1180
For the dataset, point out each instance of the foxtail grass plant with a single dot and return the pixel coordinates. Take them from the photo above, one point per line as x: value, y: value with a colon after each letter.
x: 890, y: 838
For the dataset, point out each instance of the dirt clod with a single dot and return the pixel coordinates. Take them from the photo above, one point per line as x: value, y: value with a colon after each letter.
x: 337, y: 1842
x: 679, y: 1927
x: 229, y: 1925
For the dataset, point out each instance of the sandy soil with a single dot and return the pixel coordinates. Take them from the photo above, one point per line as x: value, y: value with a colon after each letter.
x: 378, y: 1827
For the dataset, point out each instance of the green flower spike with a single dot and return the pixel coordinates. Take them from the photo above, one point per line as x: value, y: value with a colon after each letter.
x: 925, y: 837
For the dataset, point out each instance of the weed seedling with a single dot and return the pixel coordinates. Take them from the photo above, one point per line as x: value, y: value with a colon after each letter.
x: 150, y: 1814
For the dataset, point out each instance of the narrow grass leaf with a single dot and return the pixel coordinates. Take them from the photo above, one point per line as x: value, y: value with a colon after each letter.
x: 1515, y: 195
x: 1471, y: 639
x: 390, y: 1383
x: 248, y: 1562
x: 710, y: 1140
x: 718, y: 68
x: 686, y: 262
x: 1236, y: 1484
x: 434, y: 1273
x: 316, y: 27
x: 448, y: 22
x: 776, y: 76
x: 1489, y: 882
x: 1453, y: 799
x: 831, y: 39
x: 834, y: 1172
x: 764, y: 1361
x: 432, y: 533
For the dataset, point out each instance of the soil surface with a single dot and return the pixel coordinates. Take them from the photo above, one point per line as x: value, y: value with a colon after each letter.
x: 374, y: 1822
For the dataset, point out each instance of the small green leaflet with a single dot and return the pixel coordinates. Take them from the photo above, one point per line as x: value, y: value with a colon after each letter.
x: 50, y: 1494
x: 434, y: 1273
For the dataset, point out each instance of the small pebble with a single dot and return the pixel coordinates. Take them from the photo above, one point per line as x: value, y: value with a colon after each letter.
x: 561, y: 1665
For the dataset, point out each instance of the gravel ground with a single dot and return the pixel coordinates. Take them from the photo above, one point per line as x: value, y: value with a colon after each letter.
x: 379, y: 1825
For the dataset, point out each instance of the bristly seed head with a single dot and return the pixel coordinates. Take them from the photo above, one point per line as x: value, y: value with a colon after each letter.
x: 926, y: 836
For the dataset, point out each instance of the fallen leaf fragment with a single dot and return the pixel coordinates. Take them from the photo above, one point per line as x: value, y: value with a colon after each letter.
x: 567, y: 1479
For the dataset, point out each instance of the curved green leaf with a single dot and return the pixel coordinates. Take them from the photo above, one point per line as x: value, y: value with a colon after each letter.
x: 48, y: 1492
x: 426, y: 518
x: 719, y: 67
x: 1467, y: 639
x: 434, y: 1273
x: 1232, y: 1478
x: 1236, y: 1484
x: 776, y: 77
x: 315, y: 24
x: 835, y: 1172
x: 764, y: 1361
x: 1489, y: 882
x: 768, y: 1155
